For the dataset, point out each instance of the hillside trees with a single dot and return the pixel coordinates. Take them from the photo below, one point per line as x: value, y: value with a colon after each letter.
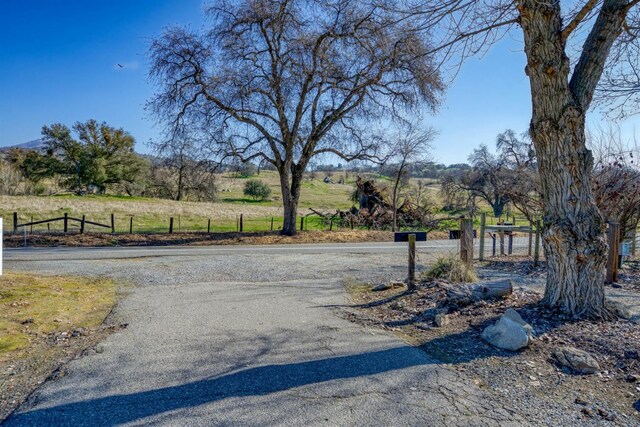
x: 510, y: 176
x: 287, y: 80
x: 99, y: 157
x: 182, y: 170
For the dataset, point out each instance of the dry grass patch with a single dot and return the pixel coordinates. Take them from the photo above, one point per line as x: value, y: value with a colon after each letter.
x: 44, y: 322
x: 34, y: 306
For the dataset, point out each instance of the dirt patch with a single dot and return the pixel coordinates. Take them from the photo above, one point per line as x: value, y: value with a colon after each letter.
x: 197, y: 239
x: 528, y: 380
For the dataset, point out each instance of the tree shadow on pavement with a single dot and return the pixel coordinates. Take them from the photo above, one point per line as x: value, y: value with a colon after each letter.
x: 258, y: 381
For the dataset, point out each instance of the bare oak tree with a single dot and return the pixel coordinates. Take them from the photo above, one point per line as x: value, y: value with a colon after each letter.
x: 562, y: 90
x: 409, y: 146
x: 286, y: 80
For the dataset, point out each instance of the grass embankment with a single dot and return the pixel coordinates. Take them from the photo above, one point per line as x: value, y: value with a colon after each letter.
x: 44, y: 322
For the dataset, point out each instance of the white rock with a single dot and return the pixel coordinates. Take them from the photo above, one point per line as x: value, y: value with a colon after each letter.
x: 441, y: 320
x: 510, y: 332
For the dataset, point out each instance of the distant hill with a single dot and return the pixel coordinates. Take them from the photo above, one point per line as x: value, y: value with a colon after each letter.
x: 36, y: 144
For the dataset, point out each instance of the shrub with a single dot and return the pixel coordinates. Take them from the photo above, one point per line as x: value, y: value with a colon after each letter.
x: 452, y: 269
x: 258, y: 190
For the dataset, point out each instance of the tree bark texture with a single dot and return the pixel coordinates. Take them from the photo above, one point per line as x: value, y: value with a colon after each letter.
x: 573, y: 229
x: 290, y: 184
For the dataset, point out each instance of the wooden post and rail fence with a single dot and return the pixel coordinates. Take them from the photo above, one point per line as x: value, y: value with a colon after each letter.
x: 466, y: 233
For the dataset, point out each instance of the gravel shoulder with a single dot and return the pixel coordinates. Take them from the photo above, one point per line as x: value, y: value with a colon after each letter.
x: 529, y: 380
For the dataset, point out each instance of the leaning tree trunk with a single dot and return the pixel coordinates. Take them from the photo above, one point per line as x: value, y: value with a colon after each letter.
x: 573, y: 230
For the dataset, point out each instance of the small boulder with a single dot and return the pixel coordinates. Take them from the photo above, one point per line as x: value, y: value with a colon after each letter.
x: 619, y: 309
x: 510, y: 332
x: 576, y: 360
x: 441, y: 320
x: 381, y: 287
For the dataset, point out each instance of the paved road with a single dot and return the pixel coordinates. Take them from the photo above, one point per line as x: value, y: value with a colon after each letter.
x: 248, y: 336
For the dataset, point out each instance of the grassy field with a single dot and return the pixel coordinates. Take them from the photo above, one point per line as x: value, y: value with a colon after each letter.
x: 152, y: 215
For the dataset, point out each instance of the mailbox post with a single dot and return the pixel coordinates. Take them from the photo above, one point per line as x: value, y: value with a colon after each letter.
x: 411, y: 237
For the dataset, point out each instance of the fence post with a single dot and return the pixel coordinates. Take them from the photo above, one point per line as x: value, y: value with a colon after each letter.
x: 536, y: 253
x: 411, y: 278
x: 66, y: 222
x: 301, y: 223
x: 466, y: 241
x: 113, y: 224
x: 271, y: 223
x: 209, y: 226
x: 31, y: 228
x: 351, y: 221
x: 241, y: 223
x: 501, y: 234
x: 331, y: 224
x: 493, y: 245
x: 171, y: 225
x: 131, y: 224
x: 510, y: 244
x: 613, y: 238
x: 483, y: 223
x: 15, y: 222
x: 633, y: 244
x: 82, y: 225
x: 530, y: 238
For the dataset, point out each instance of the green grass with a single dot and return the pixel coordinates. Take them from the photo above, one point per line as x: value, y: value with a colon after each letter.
x: 37, y: 305
x: 152, y: 215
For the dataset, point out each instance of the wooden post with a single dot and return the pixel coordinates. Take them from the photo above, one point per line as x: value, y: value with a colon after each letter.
x: 501, y: 233
x: 171, y: 225
x: 613, y: 238
x: 466, y: 241
x: 131, y: 224
x: 31, y: 228
x: 493, y: 245
x: 15, y: 222
x: 241, y: 223
x: 633, y: 244
x: 536, y: 249
x: 113, y: 224
x: 82, y: 225
x: 530, y: 238
x: 331, y: 224
x: 66, y: 222
x: 411, y: 278
x: 510, y: 244
x: 209, y: 226
x: 271, y: 223
x: 351, y: 221
x: 483, y: 223
x: 301, y: 223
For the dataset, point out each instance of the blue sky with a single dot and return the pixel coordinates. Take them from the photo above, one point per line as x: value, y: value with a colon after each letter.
x: 58, y: 63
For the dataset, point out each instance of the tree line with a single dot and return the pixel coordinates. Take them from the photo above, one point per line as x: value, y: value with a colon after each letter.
x: 510, y: 178
x: 95, y: 158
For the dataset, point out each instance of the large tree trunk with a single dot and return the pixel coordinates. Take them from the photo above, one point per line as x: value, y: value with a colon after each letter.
x: 290, y: 185
x: 573, y: 231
